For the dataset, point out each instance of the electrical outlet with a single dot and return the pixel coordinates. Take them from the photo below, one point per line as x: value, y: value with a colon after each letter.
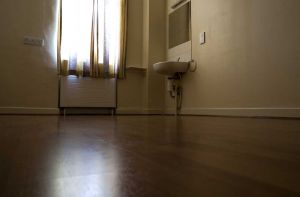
x: 202, y: 38
x: 33, y: 41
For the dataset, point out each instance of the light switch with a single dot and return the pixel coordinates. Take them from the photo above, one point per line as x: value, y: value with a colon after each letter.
x: 202, y: 38
x: 33, y: 41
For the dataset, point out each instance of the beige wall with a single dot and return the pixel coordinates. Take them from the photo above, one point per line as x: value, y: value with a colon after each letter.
x: 251, y: 58
x: 156, y: 53
x: 143, y: 91
x: 28, y: 74
x: 28, y: 77
x: 132, y: 90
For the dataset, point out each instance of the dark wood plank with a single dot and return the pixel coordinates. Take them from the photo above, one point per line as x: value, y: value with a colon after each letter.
x: 148, y: 156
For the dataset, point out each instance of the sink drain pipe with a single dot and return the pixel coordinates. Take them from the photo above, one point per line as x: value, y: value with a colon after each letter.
x: 175, y: 91
x: 174, y: 88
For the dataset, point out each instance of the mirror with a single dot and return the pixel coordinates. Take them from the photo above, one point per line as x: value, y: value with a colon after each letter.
x: 180, y: 25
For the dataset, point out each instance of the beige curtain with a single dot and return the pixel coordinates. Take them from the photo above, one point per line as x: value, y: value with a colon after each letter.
x: 92, y: 38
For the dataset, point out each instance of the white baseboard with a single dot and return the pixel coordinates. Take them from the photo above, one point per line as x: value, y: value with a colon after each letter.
x: 247, y: 112
x: 138, y: 111
x: 29, y: 111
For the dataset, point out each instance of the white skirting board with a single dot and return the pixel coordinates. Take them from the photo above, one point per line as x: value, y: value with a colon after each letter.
x: 244, y: 112
x: 138, y: 111
x: 29, y: 111
x: 87, y: 92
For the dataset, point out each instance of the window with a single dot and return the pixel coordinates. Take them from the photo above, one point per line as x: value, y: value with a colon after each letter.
x: 92, y: 38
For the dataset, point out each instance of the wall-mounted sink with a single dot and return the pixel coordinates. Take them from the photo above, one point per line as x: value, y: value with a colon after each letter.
x: 170, y: 68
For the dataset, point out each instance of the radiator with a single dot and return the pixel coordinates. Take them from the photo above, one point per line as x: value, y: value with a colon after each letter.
x: 87, y: 92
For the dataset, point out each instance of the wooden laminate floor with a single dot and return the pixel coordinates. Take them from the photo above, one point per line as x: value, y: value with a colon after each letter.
x: 103, y: 156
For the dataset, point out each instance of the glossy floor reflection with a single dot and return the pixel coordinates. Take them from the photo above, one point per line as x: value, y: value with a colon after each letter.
x: 107, y: 156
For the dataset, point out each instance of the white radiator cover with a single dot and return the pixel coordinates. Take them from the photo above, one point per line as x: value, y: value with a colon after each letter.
x: 87, y: 92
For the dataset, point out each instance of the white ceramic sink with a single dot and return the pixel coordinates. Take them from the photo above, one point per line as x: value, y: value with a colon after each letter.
x: 170, y: 68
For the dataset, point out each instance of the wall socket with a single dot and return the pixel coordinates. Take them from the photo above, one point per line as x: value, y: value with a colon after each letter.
x: 202, y: 38
x: 33, y: 41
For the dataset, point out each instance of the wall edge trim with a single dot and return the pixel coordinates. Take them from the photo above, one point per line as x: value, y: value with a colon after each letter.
x: 247, y: 112
x: 138, y: 111
x: 28, y: 111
